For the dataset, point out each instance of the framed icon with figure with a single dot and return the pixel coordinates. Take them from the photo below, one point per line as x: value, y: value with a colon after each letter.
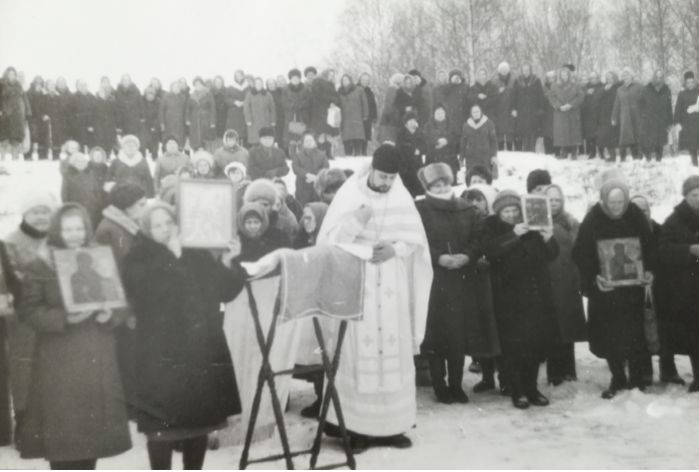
x: 621, y: 261
x: 536, y: 212
x: 207, y: 213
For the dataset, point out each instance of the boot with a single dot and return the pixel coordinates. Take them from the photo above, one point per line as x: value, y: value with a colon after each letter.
x: 313, y: 410
x: 456, y: 377
x: 438, y: 373
x: 668, y: 370
x: 487, y: 382
x: 475, y: 367
x: 694, y: 386
x: 618, y: 382
x: 422, y: 372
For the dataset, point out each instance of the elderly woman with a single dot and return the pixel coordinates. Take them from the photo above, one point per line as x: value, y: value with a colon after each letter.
x: 522, y: 293
x: 355, y: 110
x: 186, y: 386
x: 567, y: 296
x: 566, y: 98
x: 627, y: 113
x: 260, y: 111
x: 679, y: 267
x: 452, y: 227
x: 615, y: 314
x: 75, y: 413
x: 388, y: 125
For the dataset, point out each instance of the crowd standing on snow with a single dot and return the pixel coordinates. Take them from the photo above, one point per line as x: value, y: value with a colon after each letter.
x: 462, y: 275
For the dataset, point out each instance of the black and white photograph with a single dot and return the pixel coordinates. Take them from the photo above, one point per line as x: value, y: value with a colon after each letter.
x: 349, y: 234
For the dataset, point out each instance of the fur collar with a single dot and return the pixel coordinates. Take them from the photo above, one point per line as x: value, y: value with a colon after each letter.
x: 120, y: 218
x: 131, y: 161
x: 475, y: 125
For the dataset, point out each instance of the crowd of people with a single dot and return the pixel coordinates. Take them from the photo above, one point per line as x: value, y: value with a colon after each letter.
x: 447, y: 276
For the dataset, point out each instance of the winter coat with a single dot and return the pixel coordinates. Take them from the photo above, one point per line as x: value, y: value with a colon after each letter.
x: 321, y: 94
x: 355, y: 110
x: 22, y: 248
x: 105, y: 122
x: 615, y: 319
x: 388, y: 121
x: 15, y: 112
x: 259, y: 113
x: 454, y: 325
x: 373, y: 107
x: 627, y: 114
x: 547, y: 120
x: 139, y: 173
x: 589, y: 110
x: 678, y: 272
x: 38, y: 128
x: 59, y: 108
x: 567, y: 128
x: 479, y: 143
x: 82, y: 118
x: 607, y: 133
x: 487, y: 104
x: 656, y: 115
x: 689, y: 136
x: 267, y: 163
x: 225, y: 155
x: 565, y: 282
x: 168, y: 164
x: 279, y: 116
x: 504, y: 122
x: 150, y: 131
x: 528, y: 100
x: 307, y: 161
x: 186, y: 377
x: 84, y: 187
x: 75, y: 409
x: 412, y: 148
x: 130, y: 114
x: 117, y: 231
x: 435, y: 130
x: 201, y: 119
x: 12, y: 285
x: 295, y: 105
x: 221, y: 111
x: 403, y: 103
x: 235, y: 114
x: 173, y: 116
x: 252, y: 250
x: 454, y: 99
x: 521, y: 287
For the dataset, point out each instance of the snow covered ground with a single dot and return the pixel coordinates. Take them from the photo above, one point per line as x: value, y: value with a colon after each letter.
x: 656, y: 429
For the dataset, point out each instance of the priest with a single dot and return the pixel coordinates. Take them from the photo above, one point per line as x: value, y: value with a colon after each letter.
x: 374, y: 217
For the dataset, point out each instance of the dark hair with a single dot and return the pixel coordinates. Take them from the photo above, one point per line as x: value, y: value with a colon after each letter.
x: 480, y: 171
x: 54, y: 238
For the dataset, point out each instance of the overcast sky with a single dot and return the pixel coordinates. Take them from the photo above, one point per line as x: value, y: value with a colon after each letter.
x: 164, y: 38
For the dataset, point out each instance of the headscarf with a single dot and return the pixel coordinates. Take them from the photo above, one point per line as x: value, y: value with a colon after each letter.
x: 55, y: 239
x: 145, y: 221
x: 563, y: 218
x: 606, y: 189
x: 319, y: 210
x: 256, y: 209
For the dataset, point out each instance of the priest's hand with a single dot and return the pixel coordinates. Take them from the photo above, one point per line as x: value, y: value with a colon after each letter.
x: 383, y: 251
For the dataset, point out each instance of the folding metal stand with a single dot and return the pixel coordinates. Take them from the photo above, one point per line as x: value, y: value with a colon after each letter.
x: 266, y: 377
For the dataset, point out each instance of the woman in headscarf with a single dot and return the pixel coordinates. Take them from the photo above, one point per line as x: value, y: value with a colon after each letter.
x: 615, y: 314
x: 566, y: 98
x: 388, y: 122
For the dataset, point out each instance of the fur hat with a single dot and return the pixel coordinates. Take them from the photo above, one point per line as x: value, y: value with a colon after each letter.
x: 235, y: 165
x: 265, y: 132
x: 506, y: 198
x: 386, y: 158
x: 431, y: 173
x: 329, y: 180
x: 172, y: 137
x: 480, y: 171
x: 310, y: 69
x: 456, y: 72
x: 35, y: 198
x: 130, y: 138
x: 261, y: 189
x: 202, y: 155
x: 688, y: 75
x: 126, y: 195
x: 538, y: 177
x: 294, y: 73
x: 690, y: 184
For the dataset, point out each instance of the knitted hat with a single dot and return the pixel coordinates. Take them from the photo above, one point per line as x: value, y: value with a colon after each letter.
x: 430, y: 174
x: 480, y: 171
x: 231, y: 134
x: 267, y: 131
x: 690, y: 184
x: 235, y: 165
x: 294, y: 73
x: 386, y: 158
x: 126, y: 195
x: 538, y: 177
x: 145, y: 221
x: 130, y: 138
x: 329, y: 180
x: 261, y: 189
x: 172, y: 137
x: 688, y: 75
x: 410, y: 115
x: 456, y: 72
x: 506, y: 198
x: 36, y: 198
x: 202, y: 155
